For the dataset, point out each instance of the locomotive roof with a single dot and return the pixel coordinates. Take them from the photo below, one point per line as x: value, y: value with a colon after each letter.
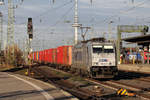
x: 99, y: 39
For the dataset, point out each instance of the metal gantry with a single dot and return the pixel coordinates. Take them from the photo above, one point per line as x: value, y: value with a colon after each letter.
x: 128, y: 29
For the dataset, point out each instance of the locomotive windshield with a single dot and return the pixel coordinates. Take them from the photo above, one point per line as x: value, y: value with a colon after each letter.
x: 97, y: 49
x: 108, y: 49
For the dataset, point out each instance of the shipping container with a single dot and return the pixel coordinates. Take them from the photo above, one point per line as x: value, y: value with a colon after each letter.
x: 34, y: 58
x: 54, y: 56
x: 70, y: 55
x: 46, y: 55
x: 50, y: 56
x: 42, y: 56
x: 60, y: 55
x: 37, y: 56
x: 64, y: 55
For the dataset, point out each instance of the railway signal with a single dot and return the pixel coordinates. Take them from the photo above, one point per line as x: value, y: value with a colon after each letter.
x: 30, y: 28
x: 30, y: 33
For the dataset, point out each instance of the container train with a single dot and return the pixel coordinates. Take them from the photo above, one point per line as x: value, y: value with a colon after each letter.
x: 94, y: 58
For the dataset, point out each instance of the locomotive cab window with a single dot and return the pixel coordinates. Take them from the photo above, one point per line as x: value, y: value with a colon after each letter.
x: 97, y: 49
x: 1, y: 2
x: 108, y: 49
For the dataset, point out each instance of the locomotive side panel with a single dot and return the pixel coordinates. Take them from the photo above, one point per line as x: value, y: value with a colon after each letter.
x: 81, y: 57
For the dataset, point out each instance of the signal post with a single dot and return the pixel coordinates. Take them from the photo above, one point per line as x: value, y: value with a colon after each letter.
x: 30, y: 34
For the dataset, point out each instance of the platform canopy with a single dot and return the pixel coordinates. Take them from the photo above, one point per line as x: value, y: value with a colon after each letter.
x: 140, y: 40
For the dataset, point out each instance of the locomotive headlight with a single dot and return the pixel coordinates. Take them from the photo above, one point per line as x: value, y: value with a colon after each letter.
x: 110, y: 63
x: 95, y: 63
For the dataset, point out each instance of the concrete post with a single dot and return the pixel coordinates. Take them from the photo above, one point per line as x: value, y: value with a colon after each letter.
x: 118, y: 44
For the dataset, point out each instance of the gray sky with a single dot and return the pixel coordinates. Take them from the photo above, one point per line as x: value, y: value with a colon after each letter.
x: 50, y: 20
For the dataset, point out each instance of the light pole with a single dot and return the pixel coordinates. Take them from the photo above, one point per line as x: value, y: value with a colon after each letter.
x: 76, y: 25
x: 1, y: 30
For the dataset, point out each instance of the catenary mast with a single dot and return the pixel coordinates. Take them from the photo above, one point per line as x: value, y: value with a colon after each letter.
x: 76, y: 25
x: 10, y: 27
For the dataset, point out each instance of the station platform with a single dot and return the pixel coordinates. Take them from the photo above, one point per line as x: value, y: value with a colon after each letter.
x: 18, y: 87
x: 140, y: 68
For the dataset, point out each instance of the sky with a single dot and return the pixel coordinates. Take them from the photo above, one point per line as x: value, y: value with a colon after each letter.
x: 52, y: 22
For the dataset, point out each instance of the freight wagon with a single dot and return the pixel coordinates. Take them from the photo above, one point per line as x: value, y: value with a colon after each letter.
x: 95, y: 58
x: 64, y: 55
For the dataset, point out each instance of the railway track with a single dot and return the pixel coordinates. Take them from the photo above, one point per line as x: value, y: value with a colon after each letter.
x: 116, y: 85
x: 60, y: 82
x: 85, y: 94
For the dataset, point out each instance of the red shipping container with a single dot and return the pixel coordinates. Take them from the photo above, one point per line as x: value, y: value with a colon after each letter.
x: 49, y: 55
x: 59, y: 55
x: 32, y: 55
x: 67, y: 55
x: 34, y: 58
x: 54, y: 55
x: 46, y: 55
x: 44, y: 60
x: 39, y: 56
x: 64, y: 55
x: 70, y: 55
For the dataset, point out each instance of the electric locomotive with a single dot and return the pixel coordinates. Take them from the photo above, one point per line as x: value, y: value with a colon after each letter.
x: 95, y: 58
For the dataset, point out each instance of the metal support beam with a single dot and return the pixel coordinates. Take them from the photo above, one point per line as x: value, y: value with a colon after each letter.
x: 128, y: 29
x: 1, y: 30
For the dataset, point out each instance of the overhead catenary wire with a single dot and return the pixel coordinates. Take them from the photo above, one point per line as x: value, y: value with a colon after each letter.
x: 48, y: 11
x: 57, y: 22
x: 61, y: 18
x: 121, y: 12
x: 38, y: 17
